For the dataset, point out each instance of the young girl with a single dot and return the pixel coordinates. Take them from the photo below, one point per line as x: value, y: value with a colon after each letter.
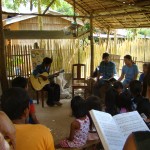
x: 79, y: 127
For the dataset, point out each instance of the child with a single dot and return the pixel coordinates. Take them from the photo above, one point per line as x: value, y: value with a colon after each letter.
x: 79, y: 127
x: 138, y: 102
x: 23, y: 83
x: 144, y: 72
x: 112, y: 96
x: 93, y: 102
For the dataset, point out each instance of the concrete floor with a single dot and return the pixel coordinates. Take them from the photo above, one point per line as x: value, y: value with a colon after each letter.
x: 57, y: 118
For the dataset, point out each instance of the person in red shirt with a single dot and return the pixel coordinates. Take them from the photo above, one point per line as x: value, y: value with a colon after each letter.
x: 23, y: 83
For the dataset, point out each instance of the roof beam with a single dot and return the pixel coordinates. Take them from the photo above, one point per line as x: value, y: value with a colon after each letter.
x: 46, y: 15
x: 121, y: 14
x: 35, y: 34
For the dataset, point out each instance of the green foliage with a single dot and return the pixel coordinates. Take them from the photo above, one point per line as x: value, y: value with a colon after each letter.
x: 65, y: 8
x: 137, y: 32
x: 144, y: 31
x: 15, y: 4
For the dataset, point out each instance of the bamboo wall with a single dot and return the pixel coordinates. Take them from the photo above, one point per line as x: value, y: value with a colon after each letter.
x: 67, y: 52
x: 18, y: 61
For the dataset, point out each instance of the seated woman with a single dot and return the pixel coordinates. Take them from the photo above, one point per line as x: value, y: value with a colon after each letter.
x: 129, y: 71
x: 138, y: 141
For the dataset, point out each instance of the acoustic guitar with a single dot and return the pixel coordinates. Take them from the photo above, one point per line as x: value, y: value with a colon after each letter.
x: 38, y: 83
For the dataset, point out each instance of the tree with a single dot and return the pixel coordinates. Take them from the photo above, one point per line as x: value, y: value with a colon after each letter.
x: 15, y: 4
x: 137, y: 32
x: 65, y: 8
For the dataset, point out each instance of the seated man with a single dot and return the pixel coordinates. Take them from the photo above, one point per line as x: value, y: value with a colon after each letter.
x: 7, y: 133
x: 15, y: 103
x: 106, y: 70
x: 53, y: 89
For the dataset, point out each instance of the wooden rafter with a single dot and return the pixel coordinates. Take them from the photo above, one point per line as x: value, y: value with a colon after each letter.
x: 48, y: 15
x: 122, y: 14
x: 105, y: 10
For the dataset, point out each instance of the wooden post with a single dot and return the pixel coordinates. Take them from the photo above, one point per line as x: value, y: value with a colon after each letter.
x: 40, y: 21
x: 92, y: 45
x: 3, y: 76
x: 115, y: 42
x: 107, y: 45
x: 79, y: 58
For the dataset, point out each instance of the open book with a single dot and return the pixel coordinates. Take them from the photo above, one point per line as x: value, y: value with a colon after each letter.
x: 113, y: 131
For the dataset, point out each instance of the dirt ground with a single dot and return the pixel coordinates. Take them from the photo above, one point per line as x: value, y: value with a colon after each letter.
x: 57, y: 118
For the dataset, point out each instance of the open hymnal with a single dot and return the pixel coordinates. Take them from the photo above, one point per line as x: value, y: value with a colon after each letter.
x: 113, y: 131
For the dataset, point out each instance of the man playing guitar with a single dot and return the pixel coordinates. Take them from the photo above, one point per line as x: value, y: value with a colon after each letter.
x: 52, y: 88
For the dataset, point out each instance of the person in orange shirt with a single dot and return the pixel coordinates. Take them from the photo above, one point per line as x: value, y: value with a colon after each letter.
x: 15, y: 103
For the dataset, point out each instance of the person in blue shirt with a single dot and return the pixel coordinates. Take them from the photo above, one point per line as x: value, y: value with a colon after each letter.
x: 141, y: 78
x: 107, y: 68
x: 104, y: 73
x: 53, y: 89
x: 129, y: 71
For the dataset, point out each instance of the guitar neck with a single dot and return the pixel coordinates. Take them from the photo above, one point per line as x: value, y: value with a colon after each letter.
x: 53, y: 75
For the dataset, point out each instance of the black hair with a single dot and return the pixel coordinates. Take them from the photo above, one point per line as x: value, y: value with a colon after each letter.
x: 129, y: 57
x: 141, y: 140
x: 47, y: 60
x: 36, y: 45
x: 94, y: 102
x: 135, y: 87
x: 146, y: 80
x: 143, y: 106
x: 105, y: 55
x: 78, y: 106
x: 124, y: 100
x: 111, y: 96
x: 14, y: 101
x: 118, y: 85
x: 20, y: 82
x: 145, y: 65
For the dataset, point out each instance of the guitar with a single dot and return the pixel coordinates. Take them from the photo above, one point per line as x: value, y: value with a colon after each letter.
x: 38, y: 83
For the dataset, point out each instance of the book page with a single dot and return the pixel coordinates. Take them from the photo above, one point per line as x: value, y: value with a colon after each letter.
x: 130, y: 122
x: 108, y: 131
